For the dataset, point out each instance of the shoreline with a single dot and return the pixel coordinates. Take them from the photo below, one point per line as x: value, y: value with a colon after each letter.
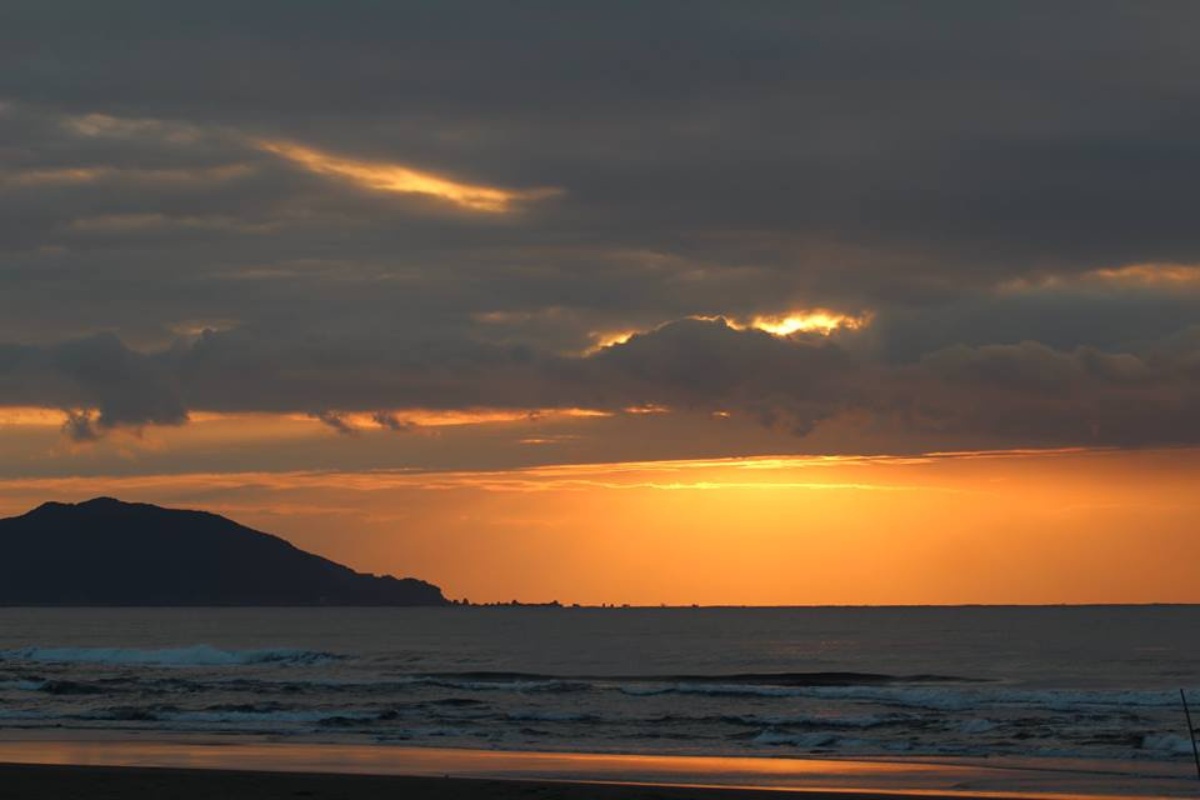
x: 47, y: 761
x: 18, y: 781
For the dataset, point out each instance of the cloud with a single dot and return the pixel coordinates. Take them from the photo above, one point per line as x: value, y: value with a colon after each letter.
x: 390, y: 421
x: 1029, y: 392
x: 1022, y: 395
x: 80, y: 426
x: 401, y: 179
x: 108, y: 174
x: 987, y: 211
x: 707, y: 365
x: 124, y: 387
x: 334, y: 420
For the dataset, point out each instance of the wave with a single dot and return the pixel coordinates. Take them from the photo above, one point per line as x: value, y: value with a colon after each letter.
x: 766, y: 684
x: 550, y: 716
x: 977, y: 725
x: 296, y: 716
x: 804, y: 740
x: 954, y: 698
x: 1168, y: 744
x: 711, y: 689
x: 411, y: 734
x: 785, y: 679
x: 1065, y: 700
x: 501, y: 682
x: 201, y: 655
x: 858, y: 721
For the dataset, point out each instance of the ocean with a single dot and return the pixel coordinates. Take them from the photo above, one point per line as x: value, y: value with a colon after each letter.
x: 1098, y: 683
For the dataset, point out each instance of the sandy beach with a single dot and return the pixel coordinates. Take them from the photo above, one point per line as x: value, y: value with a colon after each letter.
x: 67, y: 782
x: 18, y: 782
x: 193, y: 767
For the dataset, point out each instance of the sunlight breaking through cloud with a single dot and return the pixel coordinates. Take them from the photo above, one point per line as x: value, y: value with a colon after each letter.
x: 821, y: 321
x: 816, y: 320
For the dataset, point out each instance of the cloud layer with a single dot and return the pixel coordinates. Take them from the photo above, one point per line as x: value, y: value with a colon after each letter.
x: 361, y: 210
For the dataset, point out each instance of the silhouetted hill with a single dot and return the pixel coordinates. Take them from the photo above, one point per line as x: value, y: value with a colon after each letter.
x: 108, y: 553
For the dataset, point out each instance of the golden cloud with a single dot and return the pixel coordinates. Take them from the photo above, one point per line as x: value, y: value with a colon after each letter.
x: 813, y: 320
x: 1166, y: 276
x: 401, y: 179
x: 1158, y: 275
x: 82, y: 175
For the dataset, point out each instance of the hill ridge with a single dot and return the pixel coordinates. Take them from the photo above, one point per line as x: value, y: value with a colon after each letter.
x: 108, y: 552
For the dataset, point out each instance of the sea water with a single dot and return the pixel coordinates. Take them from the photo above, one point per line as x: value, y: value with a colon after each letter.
x: 1025, y: 682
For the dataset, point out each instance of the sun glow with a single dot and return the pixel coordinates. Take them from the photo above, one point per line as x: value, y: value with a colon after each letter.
x: 953, y: 528
x: 1157, y: 275
x: 603, y: 339
x: 95, y: 173
x: 398, y: 178
x: 1148, y: 276
x: 817, y: 320
x: 32, y: 416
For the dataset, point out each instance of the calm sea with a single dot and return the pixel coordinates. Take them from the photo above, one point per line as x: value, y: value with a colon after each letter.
x: 1061, y: 682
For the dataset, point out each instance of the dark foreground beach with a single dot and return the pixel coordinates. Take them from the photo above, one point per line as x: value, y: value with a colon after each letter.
x: 21, y: 781
x: 132, y: 783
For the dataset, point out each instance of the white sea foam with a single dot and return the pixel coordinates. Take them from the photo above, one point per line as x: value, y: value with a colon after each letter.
x: 773, y: 737
x: 201, y: 655
x: 1167, y: 743
x: 977, y: 725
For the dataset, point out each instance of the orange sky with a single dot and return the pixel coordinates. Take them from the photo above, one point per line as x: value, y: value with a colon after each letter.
x: 1075, y: 526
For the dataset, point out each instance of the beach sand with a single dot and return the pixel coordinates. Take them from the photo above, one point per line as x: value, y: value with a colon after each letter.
x: 42, y: 782
x: 216, y: 768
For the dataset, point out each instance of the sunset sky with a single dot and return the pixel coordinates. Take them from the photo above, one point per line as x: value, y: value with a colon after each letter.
x: 760, y: 303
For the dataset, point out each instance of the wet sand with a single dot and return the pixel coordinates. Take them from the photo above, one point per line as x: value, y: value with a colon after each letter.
x: 35, y: 765
x: 62, y: 782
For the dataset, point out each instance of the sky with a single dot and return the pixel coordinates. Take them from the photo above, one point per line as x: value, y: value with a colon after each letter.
x: 703, y: 302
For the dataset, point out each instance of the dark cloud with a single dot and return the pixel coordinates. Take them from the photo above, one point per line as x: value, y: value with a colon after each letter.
x: 709, y: 366
x: 1031, y: 393
x: 80, y: 426
x: 390, y: 421
x: 1023, y: 394
x: 959, y: 171
x: 125, y: 387
x: 334, y: 420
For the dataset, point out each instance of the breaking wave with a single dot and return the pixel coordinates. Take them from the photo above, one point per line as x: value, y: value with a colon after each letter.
x: 201, y: 655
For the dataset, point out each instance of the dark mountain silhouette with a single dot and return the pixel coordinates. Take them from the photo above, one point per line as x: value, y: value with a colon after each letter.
x: 108, y: 553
